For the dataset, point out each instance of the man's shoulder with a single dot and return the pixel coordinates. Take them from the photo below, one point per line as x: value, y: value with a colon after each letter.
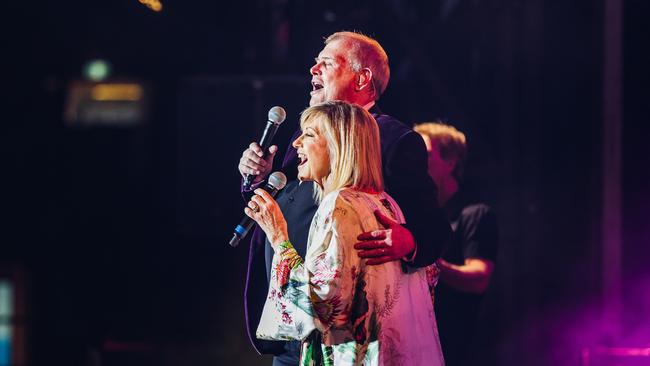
x: 477, y: 214
x: 476, y: 210
x: 390, y: 123
x: 392, y: 130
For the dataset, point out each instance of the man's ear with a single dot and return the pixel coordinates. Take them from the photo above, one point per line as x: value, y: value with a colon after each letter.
x: 364, y: 79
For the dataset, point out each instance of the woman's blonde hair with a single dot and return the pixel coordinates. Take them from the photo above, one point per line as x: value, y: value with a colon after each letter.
x: 352, y: 138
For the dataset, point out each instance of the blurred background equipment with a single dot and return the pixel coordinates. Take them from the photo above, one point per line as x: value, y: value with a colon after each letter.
x: 13, y: 318
x: 114, y: 104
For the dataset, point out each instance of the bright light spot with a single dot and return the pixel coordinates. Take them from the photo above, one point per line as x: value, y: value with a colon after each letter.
x: 154, y: 5
x: 97, y: 70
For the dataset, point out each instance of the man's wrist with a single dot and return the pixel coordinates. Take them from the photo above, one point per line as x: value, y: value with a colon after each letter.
x: 254, y: 186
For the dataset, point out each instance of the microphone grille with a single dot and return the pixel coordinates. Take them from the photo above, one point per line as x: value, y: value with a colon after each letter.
x: 277, y: 115
x: 277, y: 180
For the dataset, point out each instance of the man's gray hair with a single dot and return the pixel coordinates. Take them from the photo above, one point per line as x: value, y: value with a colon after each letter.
x: 365, y: 52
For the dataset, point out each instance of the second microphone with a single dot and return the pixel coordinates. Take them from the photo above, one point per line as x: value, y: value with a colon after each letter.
x: 275, y: 183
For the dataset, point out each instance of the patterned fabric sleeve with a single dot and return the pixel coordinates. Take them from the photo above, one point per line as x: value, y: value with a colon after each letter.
x: 307, y: 296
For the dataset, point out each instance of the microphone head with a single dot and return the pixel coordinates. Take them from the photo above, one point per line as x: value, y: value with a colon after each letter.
x: 277, y: 180
x: 277, y: 115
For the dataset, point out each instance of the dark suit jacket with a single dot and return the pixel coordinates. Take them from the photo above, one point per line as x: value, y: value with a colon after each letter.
x: 404, y: 160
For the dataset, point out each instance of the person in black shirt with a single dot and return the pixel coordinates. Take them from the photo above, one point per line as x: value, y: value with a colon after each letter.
x: 467, y: 262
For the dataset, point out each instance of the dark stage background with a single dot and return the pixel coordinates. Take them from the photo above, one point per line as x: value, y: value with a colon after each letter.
x: 118, y: 235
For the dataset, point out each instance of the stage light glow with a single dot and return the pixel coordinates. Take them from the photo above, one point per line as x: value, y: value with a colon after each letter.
x: 6, y: 314
x: 97, y: 70
x: 154, y: 5
x: 117, y: 92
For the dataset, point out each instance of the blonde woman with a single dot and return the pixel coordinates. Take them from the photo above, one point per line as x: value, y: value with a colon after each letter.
x: 343, y: 311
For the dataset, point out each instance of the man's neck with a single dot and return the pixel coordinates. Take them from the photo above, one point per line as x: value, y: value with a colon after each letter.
x: 369, y: 105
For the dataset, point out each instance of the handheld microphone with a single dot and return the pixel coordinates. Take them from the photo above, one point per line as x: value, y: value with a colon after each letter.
x: 275, y: 183
x: 275, y: 117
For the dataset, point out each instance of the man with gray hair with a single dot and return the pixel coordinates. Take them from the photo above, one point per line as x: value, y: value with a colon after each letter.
x: 354, y: 68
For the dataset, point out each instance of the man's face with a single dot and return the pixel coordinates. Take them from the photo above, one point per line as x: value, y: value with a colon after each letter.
x: 439, y: 168
x: 332, y: 76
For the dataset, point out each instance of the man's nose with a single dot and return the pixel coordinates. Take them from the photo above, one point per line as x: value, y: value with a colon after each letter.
x: 314, y: 70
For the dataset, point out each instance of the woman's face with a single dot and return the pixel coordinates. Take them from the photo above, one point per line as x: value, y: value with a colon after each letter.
x: 313, y: 153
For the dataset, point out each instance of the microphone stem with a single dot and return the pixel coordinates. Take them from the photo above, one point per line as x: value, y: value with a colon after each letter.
x: 234, y: 241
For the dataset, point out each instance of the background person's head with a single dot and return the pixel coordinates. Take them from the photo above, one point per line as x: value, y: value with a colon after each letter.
x: 348, y: 137
x: 351, y: 67
x: 447, y: 150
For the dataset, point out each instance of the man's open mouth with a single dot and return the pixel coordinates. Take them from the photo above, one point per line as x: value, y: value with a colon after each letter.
x: 316, y: 86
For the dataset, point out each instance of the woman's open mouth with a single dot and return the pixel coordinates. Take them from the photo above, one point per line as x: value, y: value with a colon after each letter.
x: 302, y: 159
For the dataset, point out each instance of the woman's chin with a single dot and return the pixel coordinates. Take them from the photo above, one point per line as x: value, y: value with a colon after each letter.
x: 304, y: 179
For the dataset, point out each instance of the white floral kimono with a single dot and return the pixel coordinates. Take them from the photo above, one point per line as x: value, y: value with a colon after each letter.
x: 347, y: 313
